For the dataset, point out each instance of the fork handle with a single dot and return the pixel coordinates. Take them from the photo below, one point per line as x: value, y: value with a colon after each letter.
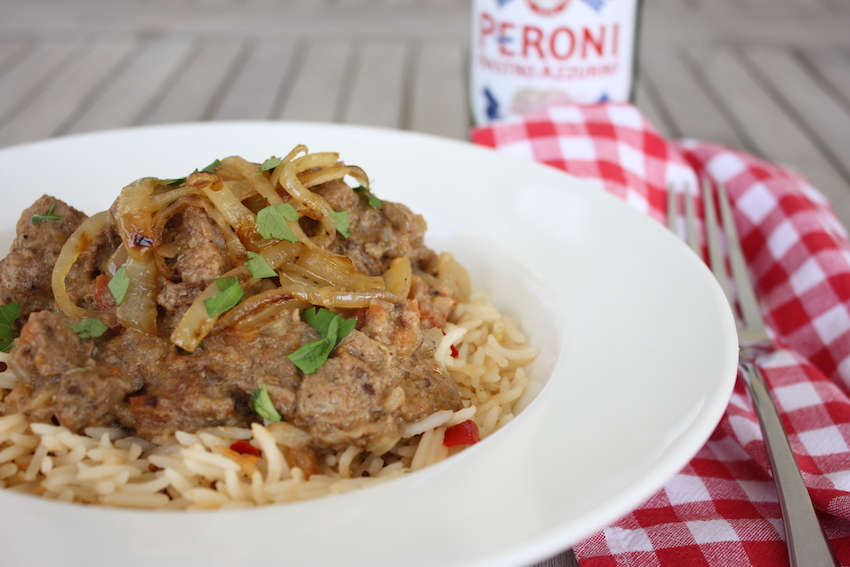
x: 807, y: 544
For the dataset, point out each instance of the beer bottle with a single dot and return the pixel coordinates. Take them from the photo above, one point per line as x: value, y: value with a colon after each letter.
x: 531, y: 54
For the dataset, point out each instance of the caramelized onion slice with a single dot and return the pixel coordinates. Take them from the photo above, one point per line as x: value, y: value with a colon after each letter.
x: 335, y: 270
x: 134, y: 214
x: 71, y: 250
x: 398, y: 277
x: 139, y: 309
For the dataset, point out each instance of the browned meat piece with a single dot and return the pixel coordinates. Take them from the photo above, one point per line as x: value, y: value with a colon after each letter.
x: 85, y: 396
x: 47, y: 348
x: 213, y: 386
x: 199, y: 257
x: 380, y: 378
x: 26, y: 272
x: 185, y: 401
x: 378, y: 235
x: 60, y: 379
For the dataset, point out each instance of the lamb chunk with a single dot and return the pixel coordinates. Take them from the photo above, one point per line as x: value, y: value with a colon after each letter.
x: 380, y: 378
x: 342, y: 404
x: 85, y: 398
x: 378, y: 235
x: 60, y: 377
x: 47, y: 348
x: 200, y: 257
x: 25, y: 274
x: 182, y: 401
x: 213, y: 385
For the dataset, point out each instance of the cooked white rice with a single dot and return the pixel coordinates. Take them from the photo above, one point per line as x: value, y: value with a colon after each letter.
x: 199, y: 471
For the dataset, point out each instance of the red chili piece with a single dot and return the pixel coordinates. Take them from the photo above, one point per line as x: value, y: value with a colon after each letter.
x: 464, y: 433
x: 245, y: 448
x: 455, y: 353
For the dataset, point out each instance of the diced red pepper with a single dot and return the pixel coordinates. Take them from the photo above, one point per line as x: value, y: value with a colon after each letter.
x: 464, y: 433
x: 244, y: 448
x: 454, y: 351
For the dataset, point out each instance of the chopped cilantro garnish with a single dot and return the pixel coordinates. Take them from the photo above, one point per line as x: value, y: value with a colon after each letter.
x: 211, y: 167
x: 89, y: 328
x: 272, y: 222
x: 270, y: 163
x: 261, y: 403
x: 181, y: 180
x: 373, y: 201
x: 332, y: 327
x: 259, y: 266
x: 46, y: 216
x: 119, y: 284
x: 229, y: 295
x: 342, y: 222
x: 8, y: 315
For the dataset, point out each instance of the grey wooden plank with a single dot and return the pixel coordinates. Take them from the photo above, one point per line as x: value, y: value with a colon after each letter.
x: 770, y: 130
x: 12, y: 50
x: 821, y: 114
x: 692, y: 111
x: 125, y: 99
x: 255, y: 88
x: 70, y: 87
x: 318, y: 85
x: 292, y: 20
x: 378, y: 87
x: 832, y: 66
x: 197, y: 87
x: 438, y: 99
x: 29, y: 74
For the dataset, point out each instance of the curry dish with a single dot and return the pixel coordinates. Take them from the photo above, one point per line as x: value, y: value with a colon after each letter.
x: 127, y: 323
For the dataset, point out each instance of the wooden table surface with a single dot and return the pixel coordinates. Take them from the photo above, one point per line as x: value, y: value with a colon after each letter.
x: 768, y: 76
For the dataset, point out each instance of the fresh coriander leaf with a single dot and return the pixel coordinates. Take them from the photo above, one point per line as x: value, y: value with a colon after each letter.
x: 320, y: 319
x: 311, y: 356
x: 261, y: 403
x: 119, y: 284
x: 90, y: 328
x: 373, y: 201
x: 181, y: 180
x: 46, y: 216
x: 229, y: 296
x: 174, y: 182
x: 332, y: 327
x: 270, y: 163
x: 259, y: 266
x: 272, y: 222
x: 211, y: 167
x: 342, y: 222
x: 8, y: 315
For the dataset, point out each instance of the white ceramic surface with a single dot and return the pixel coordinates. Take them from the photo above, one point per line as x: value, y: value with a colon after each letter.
x: 637, y: 363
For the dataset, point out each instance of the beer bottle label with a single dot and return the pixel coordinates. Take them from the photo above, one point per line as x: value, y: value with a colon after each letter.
x: 530, y: 54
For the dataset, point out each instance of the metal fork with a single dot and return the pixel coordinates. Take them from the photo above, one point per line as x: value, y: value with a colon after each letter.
x: 807, y: 544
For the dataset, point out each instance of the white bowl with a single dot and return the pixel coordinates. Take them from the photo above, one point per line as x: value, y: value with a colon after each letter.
x: 638, y: 356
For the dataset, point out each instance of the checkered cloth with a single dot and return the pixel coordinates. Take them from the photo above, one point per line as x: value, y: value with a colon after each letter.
x: 722, y: 508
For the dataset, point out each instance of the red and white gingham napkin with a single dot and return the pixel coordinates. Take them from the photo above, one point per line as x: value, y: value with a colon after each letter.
x: 722, y: 508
